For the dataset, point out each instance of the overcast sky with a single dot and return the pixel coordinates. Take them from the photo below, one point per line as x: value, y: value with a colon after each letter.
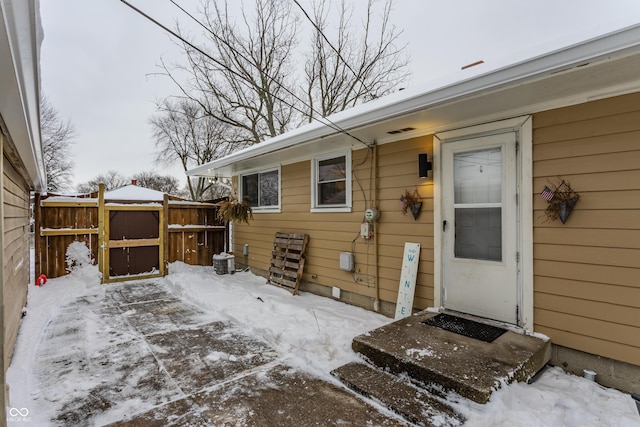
x: 99, y: 58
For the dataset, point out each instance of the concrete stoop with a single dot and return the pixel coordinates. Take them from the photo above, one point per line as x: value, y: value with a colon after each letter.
x: 439, y: 360
x: 414, y: 404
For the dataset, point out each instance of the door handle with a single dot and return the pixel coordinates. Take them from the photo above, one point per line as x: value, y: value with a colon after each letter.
x: 444, y: 225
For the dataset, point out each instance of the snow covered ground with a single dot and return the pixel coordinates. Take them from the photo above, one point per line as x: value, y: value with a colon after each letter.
x: 312, y: 334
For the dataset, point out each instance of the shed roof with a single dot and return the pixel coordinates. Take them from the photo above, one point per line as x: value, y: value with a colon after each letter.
x: 596, y: 68
x: 134, y: 193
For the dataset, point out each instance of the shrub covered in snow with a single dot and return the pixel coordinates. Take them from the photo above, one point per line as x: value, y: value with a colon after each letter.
x: 78, y: 255
x: 81, y: 266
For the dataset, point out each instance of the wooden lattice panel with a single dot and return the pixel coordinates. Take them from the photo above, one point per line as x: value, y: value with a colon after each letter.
x: 287, y: 260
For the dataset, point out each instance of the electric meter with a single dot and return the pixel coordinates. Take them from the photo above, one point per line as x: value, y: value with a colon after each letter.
x: 371, y: 214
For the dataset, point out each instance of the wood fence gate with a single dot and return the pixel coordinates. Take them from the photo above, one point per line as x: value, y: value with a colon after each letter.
x: 132, y: 244
x: 130, y: 239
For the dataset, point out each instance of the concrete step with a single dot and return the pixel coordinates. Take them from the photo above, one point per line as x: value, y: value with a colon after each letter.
x: 442, y: 359
x: 413, y: 404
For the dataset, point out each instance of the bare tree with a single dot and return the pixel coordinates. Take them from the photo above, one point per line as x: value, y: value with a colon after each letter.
x: 356, y: 66
x: 57, y: 139
x: 184, y: 133
x: 216, y: 188
x: 243, y: 80
x: 247, y: 75
x: 111, y: 180
x: 164, y: 183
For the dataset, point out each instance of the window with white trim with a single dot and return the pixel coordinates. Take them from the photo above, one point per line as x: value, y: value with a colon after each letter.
x: 261, y: 189
x: 331, y: 182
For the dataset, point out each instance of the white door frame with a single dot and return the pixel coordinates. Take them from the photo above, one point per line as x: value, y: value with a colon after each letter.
x: 524, y: 163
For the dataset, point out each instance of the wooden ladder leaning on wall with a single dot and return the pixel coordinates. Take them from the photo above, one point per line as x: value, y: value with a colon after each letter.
x: 287, y: 260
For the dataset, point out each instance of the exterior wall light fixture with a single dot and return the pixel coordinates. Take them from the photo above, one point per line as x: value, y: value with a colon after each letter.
x: 424, y: 165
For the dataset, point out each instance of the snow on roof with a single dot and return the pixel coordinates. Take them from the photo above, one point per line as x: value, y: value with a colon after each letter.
x: 133, y: 192
x: 446, y: 89
x: 69, y: 199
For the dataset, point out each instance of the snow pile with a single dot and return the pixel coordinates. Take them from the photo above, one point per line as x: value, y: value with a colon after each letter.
x: 308, y: 331
x: 80, y: 264
x: 78, y: 255
x: 555, y: 399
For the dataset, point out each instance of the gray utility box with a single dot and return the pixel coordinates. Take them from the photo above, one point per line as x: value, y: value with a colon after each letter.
x: 347, y: 261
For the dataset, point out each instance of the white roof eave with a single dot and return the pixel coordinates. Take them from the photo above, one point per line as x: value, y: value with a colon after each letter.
x: 20, y: 41
x: 444, y: 92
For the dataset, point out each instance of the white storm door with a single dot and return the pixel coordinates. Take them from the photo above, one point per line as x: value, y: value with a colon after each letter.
x: 480, y: 238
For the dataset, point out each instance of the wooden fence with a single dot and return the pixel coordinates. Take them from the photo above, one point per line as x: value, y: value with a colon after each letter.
x: 195, y: 233
x: 188, y: 232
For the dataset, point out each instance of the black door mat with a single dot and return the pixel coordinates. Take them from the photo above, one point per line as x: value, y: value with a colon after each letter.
x: 466, y: 327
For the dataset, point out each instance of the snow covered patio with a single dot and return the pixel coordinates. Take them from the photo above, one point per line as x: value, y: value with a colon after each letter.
x: 137, y: 354
x: 196, y: 348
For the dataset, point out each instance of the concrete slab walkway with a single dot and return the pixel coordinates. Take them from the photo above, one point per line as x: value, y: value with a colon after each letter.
x: 142, y: 356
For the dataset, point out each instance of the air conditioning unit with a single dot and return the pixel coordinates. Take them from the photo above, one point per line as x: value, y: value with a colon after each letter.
x: 224, y: 263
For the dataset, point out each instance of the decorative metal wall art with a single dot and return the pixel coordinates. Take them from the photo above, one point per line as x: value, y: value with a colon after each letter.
x: 411, y: 201
x: 561, y: 199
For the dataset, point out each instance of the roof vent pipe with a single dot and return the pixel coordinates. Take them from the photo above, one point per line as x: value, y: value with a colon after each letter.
x: 472, y: 65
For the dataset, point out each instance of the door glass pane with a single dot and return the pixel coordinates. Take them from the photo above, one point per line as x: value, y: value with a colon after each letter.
x: 478, y: 181
x: 478, y: 176
x: 478, y: 233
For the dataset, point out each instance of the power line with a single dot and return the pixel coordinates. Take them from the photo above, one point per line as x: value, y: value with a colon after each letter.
x: 328, y: 123
x: 325, y: 121
x: 315, y: 25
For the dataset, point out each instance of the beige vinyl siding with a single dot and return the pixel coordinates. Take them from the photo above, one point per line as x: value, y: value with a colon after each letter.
x: 398, y: 172
x: 331, y: 233
x: 587, y: 271
x: 16, y: 253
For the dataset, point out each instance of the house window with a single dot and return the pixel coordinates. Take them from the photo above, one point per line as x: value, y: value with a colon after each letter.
x: 262, y: 189
x: 331, y: 186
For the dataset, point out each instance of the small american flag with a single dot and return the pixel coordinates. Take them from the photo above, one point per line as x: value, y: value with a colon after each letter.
x: 547, y: 194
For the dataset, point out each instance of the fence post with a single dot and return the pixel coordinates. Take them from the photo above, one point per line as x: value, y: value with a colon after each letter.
x: 164, y: 235
x: 102, y: 245
x: 37, y: 243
